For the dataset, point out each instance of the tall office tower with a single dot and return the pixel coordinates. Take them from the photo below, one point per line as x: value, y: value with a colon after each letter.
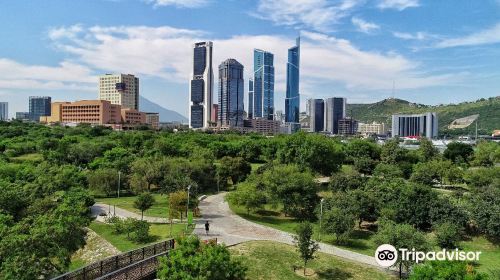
x: 292, y: 99
x: 201, y: 86
x: 4, y: 111
x: 334, y: 111
x: 316, y: 115
x: 250, y: 99
x: 231, y: 93
x: 415, y: 125
x: 39, y: 107
x: 263, y: 85
x: 120, y: 89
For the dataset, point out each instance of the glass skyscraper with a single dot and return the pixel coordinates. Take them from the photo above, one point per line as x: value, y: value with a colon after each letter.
x: 261, y: 105
x: 292, y: 99
x: 335, y: 110
x: 39, y: 106
x: 231, y: 93
x: 201, y: 86
x: 250, y: 99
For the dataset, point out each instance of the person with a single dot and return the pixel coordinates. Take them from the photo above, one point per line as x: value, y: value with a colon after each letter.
x: 207, y: 227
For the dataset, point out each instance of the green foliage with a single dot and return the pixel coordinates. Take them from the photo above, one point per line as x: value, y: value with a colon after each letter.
x: 143, y: 202
x: 235, y: 168
x: 340, y: 222
x: 458, y: 152
x: 248, y: 195
x: 306, y: 246
x: 357, y: 149
x: 387, y: 171
x: 342, y: 181
x: 485, y: 211
x: 445, y: 270
x: 483, y: 177
x: 392, y: 153
x: 103, y: 181
x: 192, y: 260
x: 447, y: 235
x: 436, y: 171
x: 426, y: 150
x: 486, y: 154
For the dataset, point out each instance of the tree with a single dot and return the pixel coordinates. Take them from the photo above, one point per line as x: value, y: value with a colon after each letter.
x: 400, y: 236
x: 485, y: 211
x: 392, y: 153
x: 340, y: 222
x: 235, y: 168
x: 191, y: 259
x: 342, y: 181
x: 145, y: 172
x: 483, y: 177
x: 178, y: 202
x: 414, y: 204
x: 103, y: 181
x: 446, y: 270
x: 387, y: 171
x: 306, y: 246
x: 486, y: 154
x: 248, y: 195
x: 458, y: 152
x: 143, y: 202
x: 357, y: 149
x: 447, y: 235
x: 364, y: 165
x: 426, y: 150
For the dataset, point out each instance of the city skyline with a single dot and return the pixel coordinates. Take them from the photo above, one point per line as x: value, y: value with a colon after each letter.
x: 434, y: 51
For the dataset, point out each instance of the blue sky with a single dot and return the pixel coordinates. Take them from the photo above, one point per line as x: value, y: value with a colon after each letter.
x: 435, y: 51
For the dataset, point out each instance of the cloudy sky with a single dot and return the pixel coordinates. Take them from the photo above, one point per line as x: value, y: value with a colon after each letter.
x: 434, y: 51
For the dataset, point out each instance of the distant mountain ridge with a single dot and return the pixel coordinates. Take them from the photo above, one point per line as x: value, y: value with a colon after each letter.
x: 166, y: 115
x: 488, y: 110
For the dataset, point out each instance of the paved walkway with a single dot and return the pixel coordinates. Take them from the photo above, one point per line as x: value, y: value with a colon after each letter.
x: 231, y: 229
x: 98, y: 208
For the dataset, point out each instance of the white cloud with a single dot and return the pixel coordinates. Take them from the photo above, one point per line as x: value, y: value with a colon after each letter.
x: 179, y: 3
x: 319, y: 15
x: 398, y: 4
x: 166, y: 52
x: 364, y: 26
x: 487, y: 36
x: 67, y: 75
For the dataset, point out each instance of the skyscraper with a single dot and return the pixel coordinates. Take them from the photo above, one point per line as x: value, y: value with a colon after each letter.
x: 292, y: 99
x: 334, y: 111
x: 201, y: 86
x: 120, y: 89
x: 250, y: 99
x: 39, y: 106
x: 231, y: 93
x: 262, y: 104
x: 316, y: 115
x: 4, y: 111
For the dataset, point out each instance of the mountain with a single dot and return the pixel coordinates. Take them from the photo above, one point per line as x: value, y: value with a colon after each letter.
x: 166, y: 115
x: 488, y: 110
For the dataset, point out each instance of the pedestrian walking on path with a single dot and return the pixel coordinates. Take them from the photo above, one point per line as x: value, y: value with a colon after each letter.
x: 207, y: 227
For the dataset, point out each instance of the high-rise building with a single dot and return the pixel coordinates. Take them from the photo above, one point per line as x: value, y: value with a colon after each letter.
x: 348, y: 126
x: 416, y: 125
x: 120, y: 89
x: 4, y: 111
x: 23, y: 116
x: 250, y: 99
x: 334, y: 111
x: 201, y: 86
x: 316, y: 115
x: 262, y: 103
x: 292, y: 99
x: 231, y: 93
x: 39, y: 107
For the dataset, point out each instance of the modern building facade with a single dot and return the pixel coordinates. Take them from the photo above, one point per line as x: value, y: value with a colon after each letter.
x: 316, y: 115
x: 348, y: 126
x: 372, y: 128
x: 23, y: 116
x: 39, y: 107
x: 4, y: 111
x: 215, y: 110
x: 262, y: 125
x: 153, y: 119
x: 292, y: 98
x: 120, y: 89
x: 250, y: 99
x: 201, y: 86
x: 335, y: 110
x: 261, y: 105
x: 416, y: 125
x: 231, y: 86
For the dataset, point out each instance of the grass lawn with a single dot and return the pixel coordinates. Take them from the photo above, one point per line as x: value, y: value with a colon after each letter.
x: 35, y: 157
x: 275, y: 261
x: 159, y: 209
x: 120, y: 241
x: 256, y: 166
x: 361, y: 241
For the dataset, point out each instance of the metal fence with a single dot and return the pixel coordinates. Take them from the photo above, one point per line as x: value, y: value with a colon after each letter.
x: 144, y: 258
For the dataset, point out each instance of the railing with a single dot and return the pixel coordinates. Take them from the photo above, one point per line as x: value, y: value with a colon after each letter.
x: 144, y: 258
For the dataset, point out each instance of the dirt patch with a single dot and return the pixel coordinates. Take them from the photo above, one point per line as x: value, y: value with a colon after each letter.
x: 310, y: 273
x: 96, y: 248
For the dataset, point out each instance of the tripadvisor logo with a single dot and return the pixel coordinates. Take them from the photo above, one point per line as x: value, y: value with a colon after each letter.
x: 386, y: 255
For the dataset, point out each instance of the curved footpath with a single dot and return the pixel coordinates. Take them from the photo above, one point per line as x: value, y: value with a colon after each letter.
x: 231, y: 229
x: 98, y: 208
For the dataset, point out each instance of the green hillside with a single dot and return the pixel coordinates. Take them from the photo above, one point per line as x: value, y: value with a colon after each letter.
x: 488, y: 110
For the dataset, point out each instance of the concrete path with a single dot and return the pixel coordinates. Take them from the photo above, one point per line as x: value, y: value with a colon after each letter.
x: 231, y: 229
x: 98, y: 208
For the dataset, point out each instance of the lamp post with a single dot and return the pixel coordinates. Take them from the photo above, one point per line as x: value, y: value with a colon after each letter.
x: 187, y: 207
x: 119, y: 177
x: 320, y: 217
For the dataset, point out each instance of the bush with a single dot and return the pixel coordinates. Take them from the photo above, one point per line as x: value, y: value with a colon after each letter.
x: 445, y: 270
x: 447, y: 235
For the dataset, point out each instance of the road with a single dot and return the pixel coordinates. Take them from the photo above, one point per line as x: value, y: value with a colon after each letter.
x: 231, y: 229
